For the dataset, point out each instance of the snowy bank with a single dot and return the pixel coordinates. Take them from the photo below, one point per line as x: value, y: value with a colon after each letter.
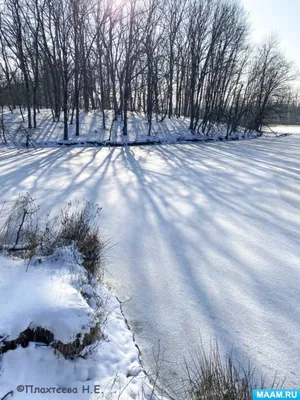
x: 50, y: 134
x: 53, y: 293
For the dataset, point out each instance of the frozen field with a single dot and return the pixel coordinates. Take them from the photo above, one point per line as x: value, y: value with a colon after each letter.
x: 207, y: 239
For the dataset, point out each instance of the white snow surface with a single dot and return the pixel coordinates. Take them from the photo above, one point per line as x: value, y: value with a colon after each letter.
x: 206, y: 239
x: 49, y: 295
x: 41, y: 297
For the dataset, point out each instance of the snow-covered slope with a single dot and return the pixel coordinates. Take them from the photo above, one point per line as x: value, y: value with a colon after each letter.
x: 49, y: 295
x: 50, y: 134
x: 42, y: 297
x: 206, y: 239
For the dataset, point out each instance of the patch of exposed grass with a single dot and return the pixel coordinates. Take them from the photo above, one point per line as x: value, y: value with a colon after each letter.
x: 27, y: 234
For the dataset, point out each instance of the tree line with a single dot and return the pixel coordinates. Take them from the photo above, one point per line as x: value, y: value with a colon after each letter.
x: 162, y: 58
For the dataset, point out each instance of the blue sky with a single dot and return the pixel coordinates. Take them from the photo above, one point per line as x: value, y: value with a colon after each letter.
x: 277, y: 16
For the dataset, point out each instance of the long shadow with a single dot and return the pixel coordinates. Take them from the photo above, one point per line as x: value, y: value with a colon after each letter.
x: 206, y: 236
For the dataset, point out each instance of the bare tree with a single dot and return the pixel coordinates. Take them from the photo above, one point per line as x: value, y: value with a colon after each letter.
x: 172, y: 58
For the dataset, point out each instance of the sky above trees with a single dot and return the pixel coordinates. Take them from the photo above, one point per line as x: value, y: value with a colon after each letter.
x: 280, y: 17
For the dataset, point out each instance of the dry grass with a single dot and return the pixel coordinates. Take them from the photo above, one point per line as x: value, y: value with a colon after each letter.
x: 21, y: 227
x: 27, y: 234
x: 80, y: 224
x: 209, y: 376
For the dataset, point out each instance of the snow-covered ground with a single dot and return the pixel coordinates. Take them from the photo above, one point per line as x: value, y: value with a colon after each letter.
x: 206, y: 239
x: 50, y: 134
x: 54, y: 294
x: 279, y: 129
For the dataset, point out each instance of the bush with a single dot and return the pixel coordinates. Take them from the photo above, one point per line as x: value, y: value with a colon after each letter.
x: 26, y: 234
x: 81, y: 225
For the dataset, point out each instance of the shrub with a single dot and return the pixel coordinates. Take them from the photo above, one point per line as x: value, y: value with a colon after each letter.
x: 26, y: 234
x: 81, y: 225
